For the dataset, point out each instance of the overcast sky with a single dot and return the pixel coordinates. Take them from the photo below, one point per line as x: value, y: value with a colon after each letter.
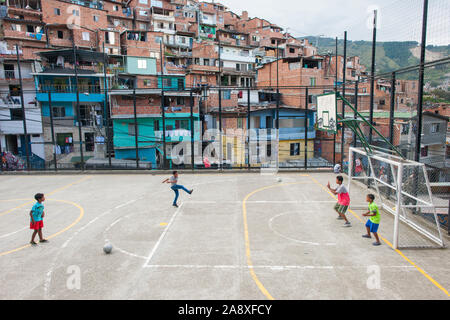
x: 399, y: 19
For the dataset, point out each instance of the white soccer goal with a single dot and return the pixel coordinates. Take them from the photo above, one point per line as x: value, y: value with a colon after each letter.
x: 403, y: 189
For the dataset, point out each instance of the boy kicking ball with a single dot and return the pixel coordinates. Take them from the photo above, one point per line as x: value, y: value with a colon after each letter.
x: 343, y: 199
x: 37, y: 215
x: 374, y: 219
x: 175, y: 187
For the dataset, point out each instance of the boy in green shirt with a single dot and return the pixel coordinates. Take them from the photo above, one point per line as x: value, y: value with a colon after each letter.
x: 374, y: 219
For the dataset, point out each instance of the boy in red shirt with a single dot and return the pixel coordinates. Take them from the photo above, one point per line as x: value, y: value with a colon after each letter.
x: 343, y: 199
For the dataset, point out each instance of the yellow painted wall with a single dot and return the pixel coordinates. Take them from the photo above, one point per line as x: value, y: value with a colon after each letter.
x: 285, y: 150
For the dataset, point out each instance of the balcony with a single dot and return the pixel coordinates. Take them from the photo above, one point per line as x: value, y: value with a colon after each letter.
x: 163, y: 17
x: 284, y: 134
x: 195, y: 67
x: 67, y: 93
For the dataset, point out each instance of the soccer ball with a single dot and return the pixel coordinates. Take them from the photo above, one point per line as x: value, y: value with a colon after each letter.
x: 107, y: 248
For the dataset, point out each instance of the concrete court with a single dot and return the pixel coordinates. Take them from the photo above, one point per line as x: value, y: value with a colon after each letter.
x: 296, y: 247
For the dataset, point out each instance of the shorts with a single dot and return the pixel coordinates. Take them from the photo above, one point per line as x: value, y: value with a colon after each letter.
x: 373, y: 226
x: 340, y: 208
x: 36, y: 225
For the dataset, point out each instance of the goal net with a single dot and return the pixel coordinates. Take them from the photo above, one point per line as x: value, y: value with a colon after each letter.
x: 401, y: 188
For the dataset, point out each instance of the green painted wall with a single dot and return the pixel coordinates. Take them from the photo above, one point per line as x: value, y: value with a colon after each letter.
x: 132, y: 66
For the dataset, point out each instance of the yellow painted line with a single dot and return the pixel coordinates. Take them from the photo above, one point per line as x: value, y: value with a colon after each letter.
x: 163, y: 224
x: 15, y: 208
x: 80, y: 216
x: 247, y: 238
x: 426, y: 275
x: 47, y: 194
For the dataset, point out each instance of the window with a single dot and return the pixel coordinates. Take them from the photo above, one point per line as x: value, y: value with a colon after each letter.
x: 167, y: 82
x: 182, y: 124
x: 240, y: 123
x: 238, y: 67
x: 95, y: 18
x: 16, y: 27
x: 313, y: 82
x: 435, y: 127
x: 295, y: 149
x: 86, y: 36
x: 131, y: 129
x: 142, y: 64
x: 180, y: 101
x: 156, y: 125
x: 116, y: 8
x: 30, y: 29
x: 147, y: 83
x: 291, y: 50
x: 16, y: 114
x: 158, y: 39
x: 269, y: 150
x: 76, y: 13
x: 382, y: 102
x: 206, y: 62
x: 424, y: 152
x: 60, y: 34
x: 59, y: 112
x: 57, y: 12
x: 143, y: 1
x: 226, y: 94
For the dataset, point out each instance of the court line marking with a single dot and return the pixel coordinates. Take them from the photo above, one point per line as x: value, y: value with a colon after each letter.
x: 247, y: 237
x: 281, y: 268
x: 10, y: 234
x: 292, y: 239
x: 80, y: 216
x: 155, y: 247
x: 257, y: 201
x: 47, y: 194
x: 422, y: 271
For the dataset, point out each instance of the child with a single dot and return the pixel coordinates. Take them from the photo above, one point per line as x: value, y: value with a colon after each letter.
x: 175, y: 187
x: 36, y: 215
x: 374, y: 221
x: 343, y: 200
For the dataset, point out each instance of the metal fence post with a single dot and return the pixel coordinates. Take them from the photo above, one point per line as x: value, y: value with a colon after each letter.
x: 248, y: 129
x: 22, y: 102
x: 344, y: 77
x: 78, y: 107
x: 136, y: 133
x: 372, y: 73
x: 52, y: 128
x: 191, y: 102
x: 306, y: 127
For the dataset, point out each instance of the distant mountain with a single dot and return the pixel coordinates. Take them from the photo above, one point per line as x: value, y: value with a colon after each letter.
x: 391, y: 56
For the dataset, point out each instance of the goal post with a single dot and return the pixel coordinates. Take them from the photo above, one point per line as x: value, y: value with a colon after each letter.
x: 403, y: 189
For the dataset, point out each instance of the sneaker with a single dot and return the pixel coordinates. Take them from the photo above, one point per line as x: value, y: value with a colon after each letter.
x: 377, y: 243
x: 43, y: 241
x: 366, y: 236
x: 190, y: 192
x: 33, y: 243
x: 347, y: 224
x: 175, y: 205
